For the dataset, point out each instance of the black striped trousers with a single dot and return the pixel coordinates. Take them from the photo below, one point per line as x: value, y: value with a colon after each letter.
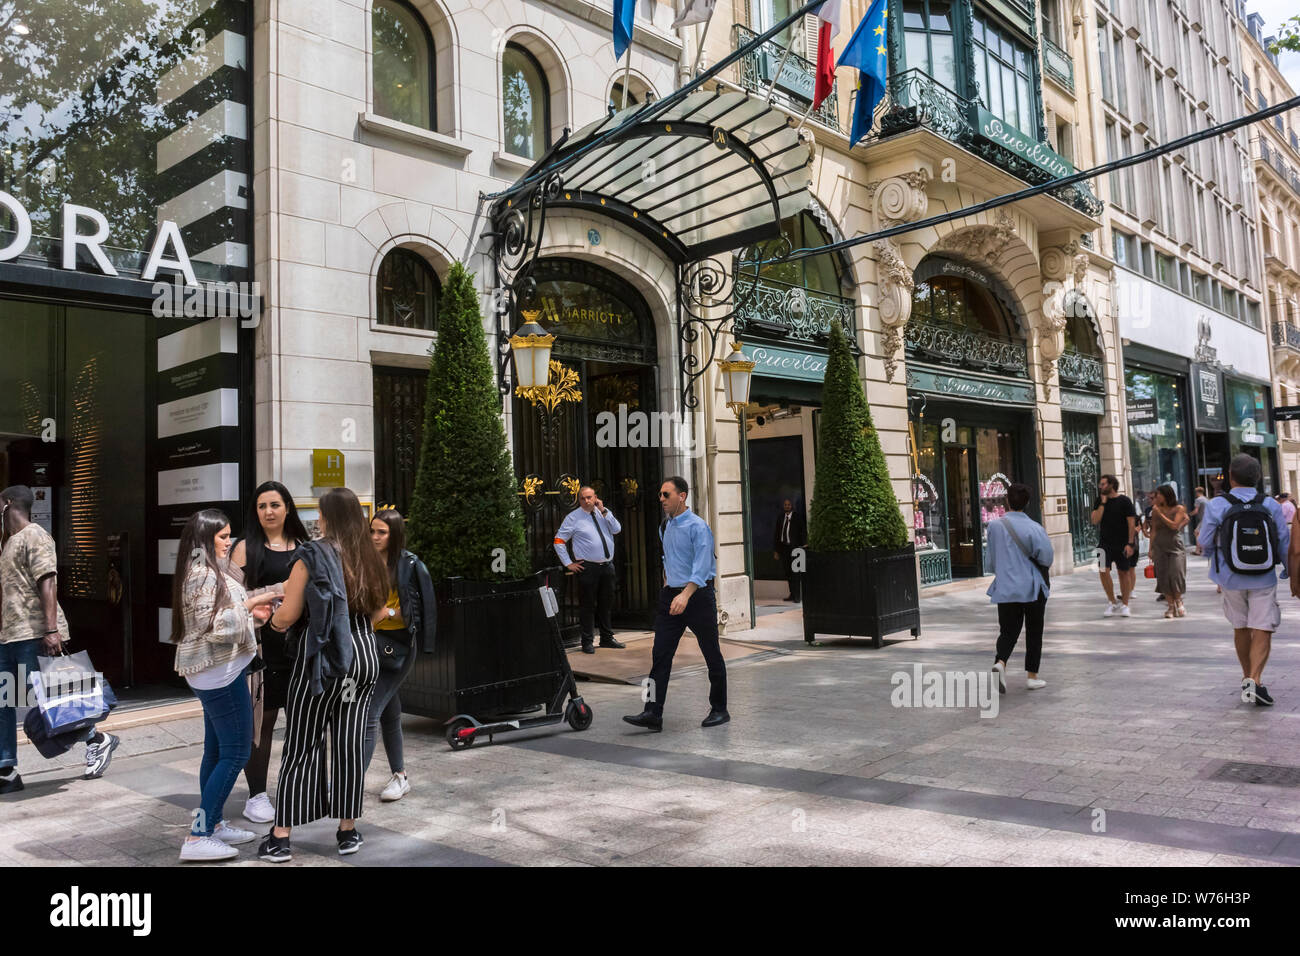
x: 303, y: 793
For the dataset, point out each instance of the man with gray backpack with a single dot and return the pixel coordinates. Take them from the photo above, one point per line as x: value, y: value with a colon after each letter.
x: 1245, y: 536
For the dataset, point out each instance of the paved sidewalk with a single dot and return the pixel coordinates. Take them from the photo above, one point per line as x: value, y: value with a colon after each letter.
x: 817, y: 766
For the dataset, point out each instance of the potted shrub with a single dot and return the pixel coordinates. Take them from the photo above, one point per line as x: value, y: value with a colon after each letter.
x: 860, y: 572
x: 467, y: 526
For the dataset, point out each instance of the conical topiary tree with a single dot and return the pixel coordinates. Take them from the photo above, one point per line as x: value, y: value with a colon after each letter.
x: 464, y: 507
x: 853, y: 505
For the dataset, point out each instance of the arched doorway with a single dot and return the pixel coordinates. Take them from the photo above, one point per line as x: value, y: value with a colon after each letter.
x: 1081, y: 369
x: 970, y: 405
x: 605, y: 348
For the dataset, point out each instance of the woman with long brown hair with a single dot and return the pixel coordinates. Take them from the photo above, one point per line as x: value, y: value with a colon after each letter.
x: 273, y: 532
x: 409, y: 626
x: 340, y: 583
x: 1168, y: 553
x: 213, y: 623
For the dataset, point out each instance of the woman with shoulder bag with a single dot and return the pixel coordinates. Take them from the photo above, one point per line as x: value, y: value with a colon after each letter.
x: 1168, y: 553
x: 274, y: 534
x: 213, y: 623
x: 339, y: 584
x: 409, y: 626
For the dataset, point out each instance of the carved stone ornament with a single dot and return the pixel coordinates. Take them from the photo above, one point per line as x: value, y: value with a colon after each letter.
x: 899, y: 199
x: 1080, y: 269
x: 984, y: 244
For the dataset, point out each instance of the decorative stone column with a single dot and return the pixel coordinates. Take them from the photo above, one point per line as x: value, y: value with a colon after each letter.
x: 894, y: 201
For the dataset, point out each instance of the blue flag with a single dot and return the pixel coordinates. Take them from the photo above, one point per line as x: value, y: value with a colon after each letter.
x: 868, y: 51
x: 624, y: 10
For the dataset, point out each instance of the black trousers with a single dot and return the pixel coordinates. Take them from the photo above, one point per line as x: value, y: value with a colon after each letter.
x: 787, y: 563
x: 701, y: 616
x: 1010, y: 618
x: 596, y: 600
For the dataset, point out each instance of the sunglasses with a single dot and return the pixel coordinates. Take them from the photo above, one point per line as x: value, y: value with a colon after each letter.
x: 663, y: 494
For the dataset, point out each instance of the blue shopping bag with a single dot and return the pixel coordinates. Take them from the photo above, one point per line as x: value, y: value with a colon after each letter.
x: 68, y: 693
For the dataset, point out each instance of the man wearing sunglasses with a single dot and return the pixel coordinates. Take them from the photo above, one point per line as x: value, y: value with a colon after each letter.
x: 686, y: 600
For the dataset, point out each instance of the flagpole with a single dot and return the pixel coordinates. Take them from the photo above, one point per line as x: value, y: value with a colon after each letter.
x: 795, y: 31
x: 627, y: 73
x: 699, y: 47
x: 805, y: 117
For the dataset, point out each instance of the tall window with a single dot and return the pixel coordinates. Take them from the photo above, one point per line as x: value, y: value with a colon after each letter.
x: 819, y: 273
x: 1004, y: 72
x: 403, y: 64
x: 1052, y: 20
x: 928, y: 41
x: 952, y: 300
x: 1103, y: 52
x: 526, y: 103
x: 1121, y: 73
x: 408, y: 291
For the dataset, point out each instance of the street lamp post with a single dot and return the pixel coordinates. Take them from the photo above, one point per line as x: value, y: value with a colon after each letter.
x: 737, y: 371
x: 530, y: 347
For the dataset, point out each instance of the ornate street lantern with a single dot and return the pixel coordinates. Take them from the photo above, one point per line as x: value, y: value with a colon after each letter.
x: 737, y: 370
x: 530, y: 348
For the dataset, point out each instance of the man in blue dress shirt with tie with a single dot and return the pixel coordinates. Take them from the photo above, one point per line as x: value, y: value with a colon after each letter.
x: 590, y: 529
x: 687, y: 600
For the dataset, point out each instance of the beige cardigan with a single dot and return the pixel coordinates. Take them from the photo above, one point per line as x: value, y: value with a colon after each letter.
x: 211, y: 639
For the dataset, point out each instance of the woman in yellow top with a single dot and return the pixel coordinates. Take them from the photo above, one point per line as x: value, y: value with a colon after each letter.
x: 412, y: 616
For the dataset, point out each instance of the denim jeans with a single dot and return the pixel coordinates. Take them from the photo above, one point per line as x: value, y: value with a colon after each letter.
x: 13, y: 656
x: 227, y: 742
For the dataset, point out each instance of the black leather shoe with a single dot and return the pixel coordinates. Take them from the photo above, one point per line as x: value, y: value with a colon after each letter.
x: 715, y: 717
x: 647, y: 719
x: 12, y: 783
x: 613, y: 642
x: 588, y: 649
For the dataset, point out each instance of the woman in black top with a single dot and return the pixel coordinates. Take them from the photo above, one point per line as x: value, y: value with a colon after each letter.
x: 274, y: 532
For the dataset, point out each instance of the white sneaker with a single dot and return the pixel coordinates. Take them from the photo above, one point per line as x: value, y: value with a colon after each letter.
x: 397, y: 788
x: 1124, y: 611
x: 258, y: 809
x: 232, y: 835
x: 1033, y: 683
x: 1110, y: 610
x: 1247, y: 690
x: 206, y: 850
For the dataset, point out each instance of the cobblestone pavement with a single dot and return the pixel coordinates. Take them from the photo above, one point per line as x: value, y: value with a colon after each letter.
x: 816, y: 767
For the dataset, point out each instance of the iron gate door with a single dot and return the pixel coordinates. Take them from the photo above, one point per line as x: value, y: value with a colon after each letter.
x: 1082, y: 472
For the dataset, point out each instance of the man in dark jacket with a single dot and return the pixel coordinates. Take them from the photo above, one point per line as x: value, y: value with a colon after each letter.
x: 791, y: 532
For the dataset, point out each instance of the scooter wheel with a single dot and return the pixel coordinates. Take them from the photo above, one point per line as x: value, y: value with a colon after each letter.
x: 456, y: 738
x: 578, y: 715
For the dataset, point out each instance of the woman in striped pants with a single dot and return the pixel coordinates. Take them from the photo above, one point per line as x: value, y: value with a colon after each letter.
x: 341, y: 585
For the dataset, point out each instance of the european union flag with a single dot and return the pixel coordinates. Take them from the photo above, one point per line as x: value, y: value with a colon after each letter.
x: 868, y: 51
x: 624, y: 10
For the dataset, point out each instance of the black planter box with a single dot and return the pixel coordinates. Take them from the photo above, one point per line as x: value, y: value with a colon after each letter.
x: 495, y: 652
x: 868, y: 593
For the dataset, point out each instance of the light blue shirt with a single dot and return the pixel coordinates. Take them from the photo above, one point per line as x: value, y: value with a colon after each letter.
x: 1015, y: 579
x: 688, y: 550
x: 578, y: 528
x: 1205, y: 536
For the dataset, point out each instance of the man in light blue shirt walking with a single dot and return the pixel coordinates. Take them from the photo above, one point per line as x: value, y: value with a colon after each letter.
x: 1249, y: 599
x: 1018, y: 547
x: 687, y: 600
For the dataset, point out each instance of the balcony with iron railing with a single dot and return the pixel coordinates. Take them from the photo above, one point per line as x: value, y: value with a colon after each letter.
x: 1081, y: 371
x: 1058, y: 64
x: 1287, y: 336
x: 782, y: 310
x: 794, y: 87
x: 947, y: 344
x: 1272, y: 158
x: 914, y: 99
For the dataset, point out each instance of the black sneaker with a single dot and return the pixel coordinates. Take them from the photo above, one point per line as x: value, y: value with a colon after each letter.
x: 275, y: 849
x: 349, y: 841
x: 1262, y: 697
x: 12, y: 783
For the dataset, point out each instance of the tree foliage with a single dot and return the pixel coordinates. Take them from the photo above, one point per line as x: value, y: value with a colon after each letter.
x: 853, y: 504
x: 465, y: 518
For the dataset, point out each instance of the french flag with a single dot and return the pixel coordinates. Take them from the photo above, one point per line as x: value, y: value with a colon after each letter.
x: 828, y: 29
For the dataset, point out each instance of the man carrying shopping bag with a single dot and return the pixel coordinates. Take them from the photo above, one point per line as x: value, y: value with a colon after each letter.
x: 31, y: 623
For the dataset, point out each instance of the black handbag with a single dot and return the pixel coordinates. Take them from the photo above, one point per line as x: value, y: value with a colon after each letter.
x: 394, y: 649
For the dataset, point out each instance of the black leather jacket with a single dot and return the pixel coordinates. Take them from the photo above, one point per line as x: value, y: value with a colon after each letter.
x: 419, y: 605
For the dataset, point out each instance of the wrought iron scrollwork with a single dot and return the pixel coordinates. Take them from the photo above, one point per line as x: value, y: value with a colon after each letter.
x: 710, y: 296
x: 519, y: 225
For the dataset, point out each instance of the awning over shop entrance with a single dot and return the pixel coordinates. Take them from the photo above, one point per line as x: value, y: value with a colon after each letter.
x: 714, y: 172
